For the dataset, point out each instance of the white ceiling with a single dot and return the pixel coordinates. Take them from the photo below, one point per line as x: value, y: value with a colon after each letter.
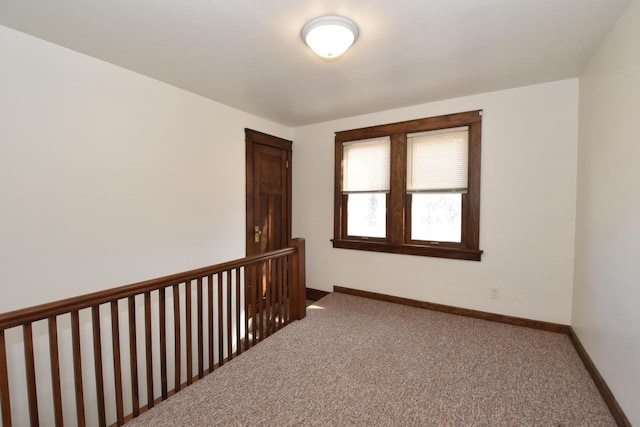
x: 248, y: 53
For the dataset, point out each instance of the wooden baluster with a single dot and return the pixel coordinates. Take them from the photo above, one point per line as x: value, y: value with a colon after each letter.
x: 247, y: 298
x: 287, y: 290
x: 285, y: 302
x: 210, y: 320
x: 279, y: 276
x: 54, y: 357
x: 200, y: 330
x: 260, y: 296
x: 176, y: 334
x: 30, y: 368
x: 256, y: 303
x: 162, y: 313
x: 283, y: 272
x: 77, y: 367
x: 5, y: 400
x: 97, y: 360
x: 255, y: 296
x: 264, y: 317
x: 283, y: 291
x: 189, y: 355
x: 274, y: 295
x: 267, y: 297
x: 133, y: 354
x: 291, y: 285
x: 238, y: 323
x: 117, y: 364
x: 220, y: 322
x: 229, y: 317
x: 148, y: 348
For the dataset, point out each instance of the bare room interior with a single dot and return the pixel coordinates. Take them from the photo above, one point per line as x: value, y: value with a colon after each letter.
x: 153, y: 274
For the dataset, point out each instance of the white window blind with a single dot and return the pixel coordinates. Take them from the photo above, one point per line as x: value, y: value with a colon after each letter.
x: 366, y: 165
x: 437, y: 160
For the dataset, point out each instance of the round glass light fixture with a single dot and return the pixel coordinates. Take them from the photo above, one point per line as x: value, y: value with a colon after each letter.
x: 329, y: 36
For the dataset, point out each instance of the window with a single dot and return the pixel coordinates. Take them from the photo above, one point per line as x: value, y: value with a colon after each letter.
x: 411, y: 187
x: 366, y: 185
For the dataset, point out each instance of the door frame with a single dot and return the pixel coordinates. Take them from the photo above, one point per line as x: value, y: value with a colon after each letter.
x: 253, y: 138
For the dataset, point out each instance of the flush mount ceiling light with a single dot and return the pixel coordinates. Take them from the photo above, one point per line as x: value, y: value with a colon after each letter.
x: 329, y: 36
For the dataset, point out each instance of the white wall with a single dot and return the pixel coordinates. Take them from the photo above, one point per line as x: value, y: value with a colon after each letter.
x: 527, y: 209
x: 109, y: 177
x: 606, y: 300
x: 106, y: 177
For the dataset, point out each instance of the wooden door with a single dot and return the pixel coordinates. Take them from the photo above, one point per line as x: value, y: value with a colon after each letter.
x: 268, y: 226
x: 268, y: 192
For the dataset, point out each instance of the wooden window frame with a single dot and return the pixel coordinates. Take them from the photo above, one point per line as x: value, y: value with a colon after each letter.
x: 398, y: 238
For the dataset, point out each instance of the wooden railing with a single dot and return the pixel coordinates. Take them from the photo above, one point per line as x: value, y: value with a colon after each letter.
x: 56, y: 369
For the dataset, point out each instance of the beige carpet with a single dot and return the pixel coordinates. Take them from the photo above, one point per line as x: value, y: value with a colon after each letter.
x: 355, y: 361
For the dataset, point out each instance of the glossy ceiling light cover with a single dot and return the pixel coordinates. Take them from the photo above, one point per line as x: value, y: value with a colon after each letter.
x: 330, y: 36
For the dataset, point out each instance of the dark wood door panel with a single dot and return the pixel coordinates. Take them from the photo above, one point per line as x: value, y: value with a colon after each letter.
x: 268, y: 219
x: 268, y: 192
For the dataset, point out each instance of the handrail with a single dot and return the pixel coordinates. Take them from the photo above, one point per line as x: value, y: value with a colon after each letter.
x: 222, y: 310
x: 43, y: 311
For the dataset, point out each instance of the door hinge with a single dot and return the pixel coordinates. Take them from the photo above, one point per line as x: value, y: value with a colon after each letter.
x: 287, y: 163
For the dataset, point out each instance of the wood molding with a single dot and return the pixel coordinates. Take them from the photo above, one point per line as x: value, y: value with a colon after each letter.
x: 266, y: 139
x: 500, y: 318
x: 616, y: 411
x: 608, y: 397
x: 411, y: 126
x: 398, y: 237
x: 406, y: 249
x: 316, y: 294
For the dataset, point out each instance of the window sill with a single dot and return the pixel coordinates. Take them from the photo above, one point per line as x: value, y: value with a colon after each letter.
x: 432, y: 251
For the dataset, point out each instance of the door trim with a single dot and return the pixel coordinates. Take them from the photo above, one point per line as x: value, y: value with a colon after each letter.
x: 252, y: 138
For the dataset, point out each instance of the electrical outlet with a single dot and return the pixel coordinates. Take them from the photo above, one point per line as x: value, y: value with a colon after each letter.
x: 495, y: 293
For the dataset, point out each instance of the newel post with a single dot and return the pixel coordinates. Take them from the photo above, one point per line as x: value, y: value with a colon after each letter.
x: 298, y: 282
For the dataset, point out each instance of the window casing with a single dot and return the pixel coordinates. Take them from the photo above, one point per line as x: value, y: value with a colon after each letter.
x: 420, y: 197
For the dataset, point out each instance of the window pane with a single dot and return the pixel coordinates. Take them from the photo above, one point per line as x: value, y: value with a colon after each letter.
x: 366, y: 165
x: 367, y: 215
x: 438, y: 160
x: 436, y: 217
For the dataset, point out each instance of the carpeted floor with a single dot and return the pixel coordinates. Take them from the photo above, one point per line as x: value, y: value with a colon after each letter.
x: 355, y: 361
